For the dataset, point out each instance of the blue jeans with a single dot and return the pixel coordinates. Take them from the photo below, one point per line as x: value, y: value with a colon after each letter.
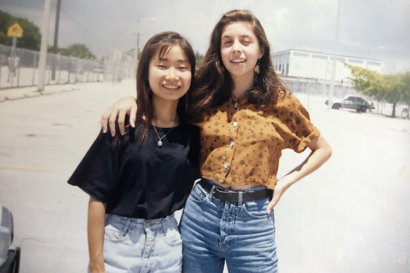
x: 142, y: 246
x: 242, y: 234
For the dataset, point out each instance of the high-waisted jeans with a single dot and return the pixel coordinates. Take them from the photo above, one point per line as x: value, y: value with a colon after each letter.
x: 242, y: 234
x: 142, y: 246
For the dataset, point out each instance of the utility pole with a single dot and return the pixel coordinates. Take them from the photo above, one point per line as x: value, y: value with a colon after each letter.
x: 53, y: 73
x: 43, y: 48
x: 332, y: 83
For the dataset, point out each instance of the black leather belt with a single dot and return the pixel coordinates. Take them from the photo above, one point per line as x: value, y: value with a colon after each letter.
x: 226, y: 195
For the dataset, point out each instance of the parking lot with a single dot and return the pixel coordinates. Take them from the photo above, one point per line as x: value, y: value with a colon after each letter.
x: 352, y: 215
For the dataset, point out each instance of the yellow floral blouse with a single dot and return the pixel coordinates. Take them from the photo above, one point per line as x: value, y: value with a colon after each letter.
x: 241, y: 144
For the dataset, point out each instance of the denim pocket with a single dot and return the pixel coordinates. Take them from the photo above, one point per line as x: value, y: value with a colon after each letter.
x: 257, y: 208
x: 172, y: 236
x: 198, y: 195
x: 113, y: 230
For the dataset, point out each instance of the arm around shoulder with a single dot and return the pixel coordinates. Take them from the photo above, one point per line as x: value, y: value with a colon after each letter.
x: 121, y: 108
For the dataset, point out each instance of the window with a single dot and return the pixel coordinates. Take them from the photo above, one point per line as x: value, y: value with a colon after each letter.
x: 375, y: 63
x: 280, y: 67
x: 300, y: 54
x: 287, y: 69
x: 353, y: 61
x: 319, y: 57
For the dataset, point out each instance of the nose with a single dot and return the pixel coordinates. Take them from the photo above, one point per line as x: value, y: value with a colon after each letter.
x: 172, y: 74
x: 236, y: 47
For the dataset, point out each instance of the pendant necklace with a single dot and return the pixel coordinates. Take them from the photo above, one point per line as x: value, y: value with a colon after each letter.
x: 159, y: 143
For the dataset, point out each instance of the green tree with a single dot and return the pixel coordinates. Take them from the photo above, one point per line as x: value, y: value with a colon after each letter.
x: 31, y: 36
x: 369, y: 83
x: 198, y: 59
x: 406, y: 90
x: 395, y: 88
x: 76, y: 50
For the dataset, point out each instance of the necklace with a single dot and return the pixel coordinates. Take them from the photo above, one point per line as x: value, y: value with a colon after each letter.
x: 160, y: 138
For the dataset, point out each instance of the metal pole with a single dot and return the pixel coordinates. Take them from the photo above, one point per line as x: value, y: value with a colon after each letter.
x: 332, y: 84
x: 43, y: 48
x: 53, y: 75
x: 34, y: 67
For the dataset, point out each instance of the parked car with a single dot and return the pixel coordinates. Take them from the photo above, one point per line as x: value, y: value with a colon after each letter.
x: 352, y: 102
x: 9, y: 254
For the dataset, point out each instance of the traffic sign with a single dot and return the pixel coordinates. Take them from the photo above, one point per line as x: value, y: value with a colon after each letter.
x: 12, y: 30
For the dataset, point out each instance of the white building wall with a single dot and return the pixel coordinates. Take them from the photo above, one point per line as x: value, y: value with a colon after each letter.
x: 317, y: 65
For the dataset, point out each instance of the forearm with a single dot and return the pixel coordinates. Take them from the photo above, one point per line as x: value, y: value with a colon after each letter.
x: 309, y: 165
x: 95, y: 231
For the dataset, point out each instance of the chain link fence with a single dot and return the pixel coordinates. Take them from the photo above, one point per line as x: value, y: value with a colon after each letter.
x: 316, y: 91
x: 21, y: 68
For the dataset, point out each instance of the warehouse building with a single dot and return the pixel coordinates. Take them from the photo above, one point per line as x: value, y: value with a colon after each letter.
x: 318, y: 65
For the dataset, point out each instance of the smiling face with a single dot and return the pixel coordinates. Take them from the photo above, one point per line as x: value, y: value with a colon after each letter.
x: 170, y: 74
x: 240, y: 49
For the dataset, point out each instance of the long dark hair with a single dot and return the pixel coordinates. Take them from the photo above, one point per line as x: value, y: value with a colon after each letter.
x: 214, y: 83
x: 159, y: 44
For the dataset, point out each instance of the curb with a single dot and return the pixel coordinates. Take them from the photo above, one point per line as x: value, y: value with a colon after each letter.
x: 35, y: 94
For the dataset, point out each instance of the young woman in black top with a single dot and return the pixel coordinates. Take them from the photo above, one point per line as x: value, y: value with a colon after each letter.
x: 137, y: 181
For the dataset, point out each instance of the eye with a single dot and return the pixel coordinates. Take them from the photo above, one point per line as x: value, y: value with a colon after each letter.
x: 183, y: 68
x: 227, y: 42
x: 162, y: 66
x: 246, y: 42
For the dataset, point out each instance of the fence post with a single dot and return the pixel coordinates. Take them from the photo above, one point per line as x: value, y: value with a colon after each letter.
x: 0, y: 63
x: 59, y: 68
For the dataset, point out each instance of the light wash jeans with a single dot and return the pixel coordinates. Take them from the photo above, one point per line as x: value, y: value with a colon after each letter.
x: 142, y: 246
x: 242, y: 234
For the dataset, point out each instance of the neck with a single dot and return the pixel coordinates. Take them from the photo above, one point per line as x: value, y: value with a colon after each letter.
x: 242, y: 83
x: 165, y: 112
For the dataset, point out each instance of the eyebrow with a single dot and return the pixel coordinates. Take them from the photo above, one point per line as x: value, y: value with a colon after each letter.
x: 180, y: 61
x: 242, y: 36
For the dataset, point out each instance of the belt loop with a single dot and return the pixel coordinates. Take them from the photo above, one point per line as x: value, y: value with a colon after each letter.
x: 211, y: 193
x: 240, y: 198
x: 127, y: 225
x: 164, y: 227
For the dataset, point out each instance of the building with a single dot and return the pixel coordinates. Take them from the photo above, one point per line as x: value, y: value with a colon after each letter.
x: 318, y: 65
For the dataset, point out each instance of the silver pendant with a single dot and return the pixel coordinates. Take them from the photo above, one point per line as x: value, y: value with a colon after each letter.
x: 160, y: 143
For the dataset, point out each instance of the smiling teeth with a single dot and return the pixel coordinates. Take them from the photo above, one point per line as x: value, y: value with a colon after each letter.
x: 238, y: 61
x: 171, y: 86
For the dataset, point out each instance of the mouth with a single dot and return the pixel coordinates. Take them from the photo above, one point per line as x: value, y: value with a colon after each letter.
x: 238, y: 61
x: 171, y: 87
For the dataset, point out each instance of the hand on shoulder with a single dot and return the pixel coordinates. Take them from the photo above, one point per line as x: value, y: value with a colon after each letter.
x: 121, y: 108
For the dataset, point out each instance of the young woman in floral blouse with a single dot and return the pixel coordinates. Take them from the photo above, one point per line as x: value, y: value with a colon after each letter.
x: 247, y: 116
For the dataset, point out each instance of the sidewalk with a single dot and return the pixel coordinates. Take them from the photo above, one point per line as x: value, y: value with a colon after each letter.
x: 29, y: 92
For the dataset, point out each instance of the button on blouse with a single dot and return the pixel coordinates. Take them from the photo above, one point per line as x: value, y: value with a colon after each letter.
x: 241, y: 144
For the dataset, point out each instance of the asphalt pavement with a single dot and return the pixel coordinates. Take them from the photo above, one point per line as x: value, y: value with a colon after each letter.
x: 349, y: 216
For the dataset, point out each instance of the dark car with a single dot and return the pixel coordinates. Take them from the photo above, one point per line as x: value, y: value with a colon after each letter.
x: 353, y: 102
x: 9, y: 254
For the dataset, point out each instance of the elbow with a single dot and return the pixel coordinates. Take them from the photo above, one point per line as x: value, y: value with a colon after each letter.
x: 328, y: 152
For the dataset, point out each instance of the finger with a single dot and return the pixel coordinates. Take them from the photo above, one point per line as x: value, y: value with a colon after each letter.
x: 133, y: 116
x: 113, y: 118
x: 121, y: 119
x: 104, y: 120
x: 272, y: 204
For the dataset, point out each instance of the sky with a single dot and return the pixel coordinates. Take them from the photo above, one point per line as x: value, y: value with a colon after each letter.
x: 375, y: 29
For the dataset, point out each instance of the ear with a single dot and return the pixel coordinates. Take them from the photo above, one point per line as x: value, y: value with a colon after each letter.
x: 262, y: 51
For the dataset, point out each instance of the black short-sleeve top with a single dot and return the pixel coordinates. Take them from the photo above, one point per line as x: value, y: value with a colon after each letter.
x: 141, y: 181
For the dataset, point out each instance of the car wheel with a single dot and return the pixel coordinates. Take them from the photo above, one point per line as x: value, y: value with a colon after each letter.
x: 336, y: 106
x: 363, y: 109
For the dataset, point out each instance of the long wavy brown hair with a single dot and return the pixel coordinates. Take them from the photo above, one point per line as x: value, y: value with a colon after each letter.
x: 158, y: 45
x: 214, y: 83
